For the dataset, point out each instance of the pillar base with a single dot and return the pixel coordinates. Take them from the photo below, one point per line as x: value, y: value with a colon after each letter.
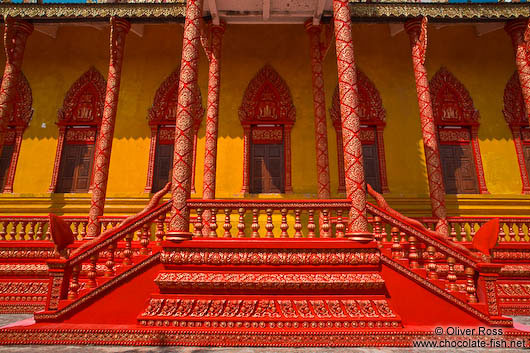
x: 178, y: 236
x: 360, y: 237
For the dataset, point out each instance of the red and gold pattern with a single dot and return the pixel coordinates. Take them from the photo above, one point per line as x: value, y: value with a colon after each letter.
x: 417, y: 30
x: 319, y: 49
x: 292, y: 282
x: 372, y: 113
x: 349, y: 108
x: 211, y: 38
x: 118, y: 31
x: 519, y: 31
x: 453, y: 106
x: 187, y: 103
x: 162, y: 116
x: 84, y: 135
x: 244, y: 311
x: 265, y: 135
x: 82, y: 105
x: 16, y: 33
x: 267, y: 100
x: 515, y: 115
x: 461, y: 135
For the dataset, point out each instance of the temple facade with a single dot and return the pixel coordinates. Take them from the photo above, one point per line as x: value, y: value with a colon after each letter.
x: 50, y: 168
x: 288, y: 173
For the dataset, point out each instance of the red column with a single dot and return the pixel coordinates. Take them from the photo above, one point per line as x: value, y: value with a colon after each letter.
x: 187, y: 97
x: 417, y: 30
x: 212, y: 44
x: 16, y: 33
x: 246, y: 160
x: 519, y: 31
x: 212, y: 48
x: 349, y: 102
x: 318, y: 50
x: 118, y: 31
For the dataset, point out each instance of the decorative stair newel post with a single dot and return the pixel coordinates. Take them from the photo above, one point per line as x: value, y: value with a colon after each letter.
x: 349, y: 102
x: 118, y: 31
x: 318, y: 52
x: 519, y: 31
x: 211, y: 38
x: 187, y: 97
x: 16, y: 33
x: 417, y: 30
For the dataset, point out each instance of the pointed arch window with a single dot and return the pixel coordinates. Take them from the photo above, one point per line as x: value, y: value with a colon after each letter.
x: 162, y: 117
x: 78, y: 121
x: 373, y: 123
x: 267, y: 115
x: 517, y: 119
x: 457, y: 122
x: 19, y: 120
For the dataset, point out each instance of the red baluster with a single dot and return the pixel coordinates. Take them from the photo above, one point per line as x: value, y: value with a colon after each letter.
x: 451, y: 274
x: 109, y: 272
x: 339, y: 227
x: 311, y: 224
x: 144, y: 239
x: 213, y: 223
x: 431, y: 263
x: 269, y: 227
x: 160, y: 229
x: 241, y: 223
x: 284, y: 226
x: 255, y: 224
x: 227, y: 226
x: 297, y: 224
x: 470, y: 285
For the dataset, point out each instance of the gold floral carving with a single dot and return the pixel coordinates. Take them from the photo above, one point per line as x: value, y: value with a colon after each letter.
x: 388, y: 9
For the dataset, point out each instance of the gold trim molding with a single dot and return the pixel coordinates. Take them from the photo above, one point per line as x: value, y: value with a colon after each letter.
x: 442, y: 11
x: 388, y: 10
x: 89, y: 11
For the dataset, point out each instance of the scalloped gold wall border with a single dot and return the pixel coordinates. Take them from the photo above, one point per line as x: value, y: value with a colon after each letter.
x: 392, y: 10
x: 78, y: 11
x: 387, y: 10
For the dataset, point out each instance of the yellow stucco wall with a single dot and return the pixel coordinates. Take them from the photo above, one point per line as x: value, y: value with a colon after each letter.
x: 483, y: 64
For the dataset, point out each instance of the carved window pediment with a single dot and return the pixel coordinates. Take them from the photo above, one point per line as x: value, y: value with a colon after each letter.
x: 457, y: 121
x: 19, y: 119
x: 84, y: 101
x: 451, y: 102
x: 78, y: 119
x: 267, y: 114
x: 267, y: 98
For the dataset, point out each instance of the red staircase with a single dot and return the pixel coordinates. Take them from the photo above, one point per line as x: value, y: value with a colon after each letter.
x: 317, y: 288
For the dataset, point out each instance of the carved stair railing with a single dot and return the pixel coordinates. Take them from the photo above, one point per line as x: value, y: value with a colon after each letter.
x: 447, y: 268
x: 463, y: 229
x: 465, y: 278
x: 83, y: 275
x: 13, y: 228
x: 271, y: 218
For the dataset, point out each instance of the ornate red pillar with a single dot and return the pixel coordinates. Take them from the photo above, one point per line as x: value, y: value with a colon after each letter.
x: 351, y: 126
x: 16, y: 33
x: 187, y: 97
x: 318, y: 52
x: 417, y: 30
x: 245, y: 188
x: 118, y: 31
x: 519, y: 31
x: 211, y: 38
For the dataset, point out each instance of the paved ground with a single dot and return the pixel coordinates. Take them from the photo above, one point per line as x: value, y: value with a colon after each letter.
x: 6, y: 319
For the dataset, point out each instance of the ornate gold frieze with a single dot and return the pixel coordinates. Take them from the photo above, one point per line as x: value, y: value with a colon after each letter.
x: 383, y: 10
